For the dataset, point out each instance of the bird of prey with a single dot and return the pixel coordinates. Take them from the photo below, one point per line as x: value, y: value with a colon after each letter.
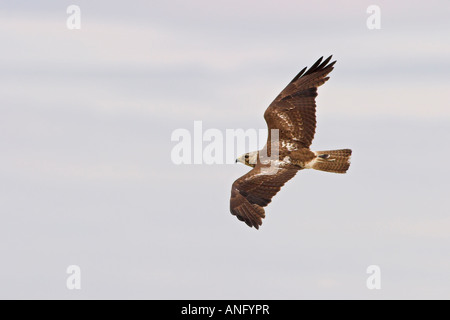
x: 293, y: 116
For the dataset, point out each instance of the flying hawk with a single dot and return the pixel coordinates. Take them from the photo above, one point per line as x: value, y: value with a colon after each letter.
x: 293, y: 114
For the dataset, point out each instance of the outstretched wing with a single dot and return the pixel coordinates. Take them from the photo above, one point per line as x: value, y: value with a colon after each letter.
x: 293, y: 112
x: 255, y: 190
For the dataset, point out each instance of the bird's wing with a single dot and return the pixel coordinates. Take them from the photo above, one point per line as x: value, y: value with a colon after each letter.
x: 255, y: 190
x: 293, y: 112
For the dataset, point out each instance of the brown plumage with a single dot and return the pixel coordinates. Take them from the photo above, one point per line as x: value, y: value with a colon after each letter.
x: 293, y: 114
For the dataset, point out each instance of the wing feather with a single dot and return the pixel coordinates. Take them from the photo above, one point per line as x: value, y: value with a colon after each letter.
x: 293, y: 112
x: 255, y: 190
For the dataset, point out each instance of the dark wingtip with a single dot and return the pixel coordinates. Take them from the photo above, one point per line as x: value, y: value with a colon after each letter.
x: 324, y: 63
x: 299, y: 74
x: 318, y: 65
x: 315, y: 65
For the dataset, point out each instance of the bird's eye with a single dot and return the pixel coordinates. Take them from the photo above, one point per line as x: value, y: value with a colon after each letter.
x: 246, y: 156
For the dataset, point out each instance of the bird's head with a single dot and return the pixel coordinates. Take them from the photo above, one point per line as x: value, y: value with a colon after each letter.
x: 249, y: 159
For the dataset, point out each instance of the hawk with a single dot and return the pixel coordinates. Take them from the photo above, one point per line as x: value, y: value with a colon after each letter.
x: 292, y: 115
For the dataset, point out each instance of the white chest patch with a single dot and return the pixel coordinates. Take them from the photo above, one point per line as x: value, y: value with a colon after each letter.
x: 288, y: 145
x: 271, y: 170
x: 287, y: 159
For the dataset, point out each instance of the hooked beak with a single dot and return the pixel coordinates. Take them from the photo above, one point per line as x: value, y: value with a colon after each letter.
x: 235, y: 161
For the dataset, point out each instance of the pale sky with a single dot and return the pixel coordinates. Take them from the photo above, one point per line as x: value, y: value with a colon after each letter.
x: 86, y: 176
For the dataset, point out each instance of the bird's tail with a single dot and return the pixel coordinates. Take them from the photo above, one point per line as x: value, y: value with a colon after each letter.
x: 337, y: 161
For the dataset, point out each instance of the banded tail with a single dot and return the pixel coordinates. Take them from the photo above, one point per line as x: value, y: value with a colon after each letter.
x: 337, y: 161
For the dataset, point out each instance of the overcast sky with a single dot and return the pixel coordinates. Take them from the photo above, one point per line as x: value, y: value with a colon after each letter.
x: 86, y: 176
